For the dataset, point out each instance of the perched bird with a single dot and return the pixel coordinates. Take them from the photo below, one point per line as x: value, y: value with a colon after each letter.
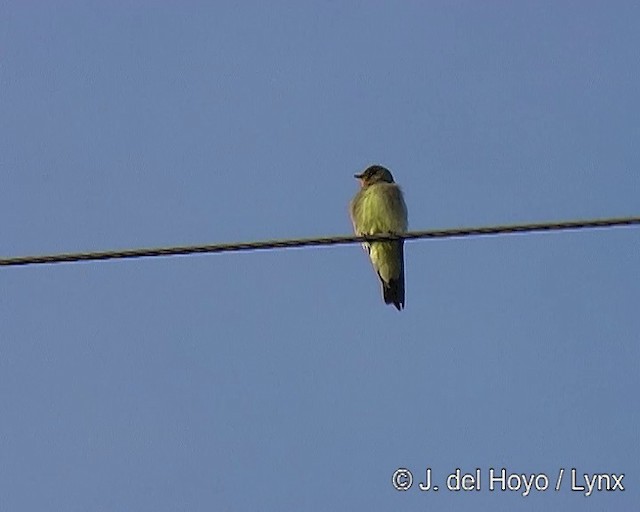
x: 379, y: 208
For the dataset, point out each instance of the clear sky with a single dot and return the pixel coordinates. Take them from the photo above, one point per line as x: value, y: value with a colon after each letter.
x: 279, y: 380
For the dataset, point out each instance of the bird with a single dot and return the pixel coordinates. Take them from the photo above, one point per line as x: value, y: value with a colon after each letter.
x: 379, y: 208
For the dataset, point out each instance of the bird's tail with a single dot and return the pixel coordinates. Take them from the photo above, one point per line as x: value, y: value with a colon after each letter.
x: 393, y: 290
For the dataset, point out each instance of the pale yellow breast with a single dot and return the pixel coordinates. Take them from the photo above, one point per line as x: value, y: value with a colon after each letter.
x: 379, y: 208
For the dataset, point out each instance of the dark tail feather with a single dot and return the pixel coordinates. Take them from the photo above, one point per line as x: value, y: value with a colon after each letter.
x: 393, y: 291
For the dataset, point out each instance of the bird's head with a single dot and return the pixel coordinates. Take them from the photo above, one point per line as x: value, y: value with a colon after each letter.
x: 374, y: 174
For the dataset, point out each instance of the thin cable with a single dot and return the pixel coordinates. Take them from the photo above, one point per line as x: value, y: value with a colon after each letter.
x: 313, y: 242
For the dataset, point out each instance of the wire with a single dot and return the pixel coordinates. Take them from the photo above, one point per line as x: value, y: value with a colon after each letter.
x: 314, y: 242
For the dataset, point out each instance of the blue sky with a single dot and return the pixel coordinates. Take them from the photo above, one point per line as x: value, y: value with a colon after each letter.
x: 279, y: 380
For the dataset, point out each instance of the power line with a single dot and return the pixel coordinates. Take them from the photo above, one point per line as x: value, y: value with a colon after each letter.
x: 314, y: 242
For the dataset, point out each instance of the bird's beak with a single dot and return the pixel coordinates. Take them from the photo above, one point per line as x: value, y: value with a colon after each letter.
x: 359, y: 176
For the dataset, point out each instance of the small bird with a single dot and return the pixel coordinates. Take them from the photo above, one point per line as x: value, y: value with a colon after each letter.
x: 379, y: 208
